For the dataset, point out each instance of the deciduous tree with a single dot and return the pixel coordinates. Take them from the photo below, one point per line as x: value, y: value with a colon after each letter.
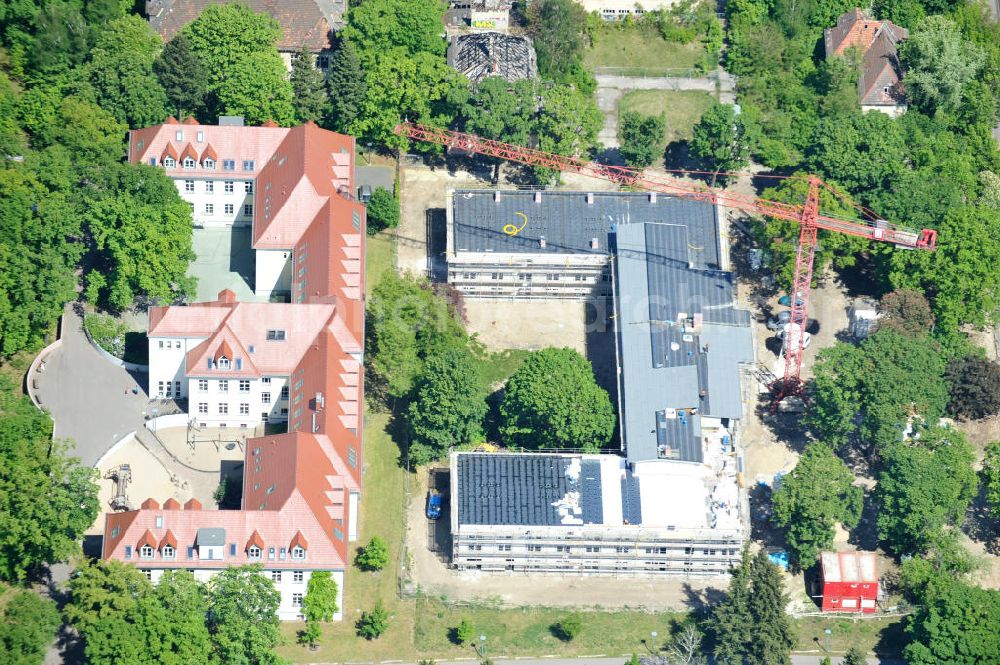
x: 559, y: 30
x: 906, y: 311
x: 975, y: 387
x: 991, y: 477
x: 818, y: 493
x: 320, y: 601
x: 372, y: 624
x: 121, y: 71
x: 642, y: 138
x: 383, y: 211
x: 568, y: 627
x: 173, y: 616
x: 448, y: 406
x: 374, y: 556
x: 854, y: 656
x: 957, y: 624
x: 553, y: 401
x: 720, y: 139
x: 925, y: 484
x: 568, y: 123
x: 380, y: 25
x: 242, y: 616
x: 861, y: 151
x: 27, y: 627
x: 465, y: 632
x: 938, y: 62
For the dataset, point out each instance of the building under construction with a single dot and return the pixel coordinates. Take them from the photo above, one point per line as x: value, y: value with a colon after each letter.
x: 485, y: 54
x: 672, y: 502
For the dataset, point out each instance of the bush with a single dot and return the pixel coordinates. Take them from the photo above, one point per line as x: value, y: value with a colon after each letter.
x: 372, y: 624
x: 373, y: 556
x: 568, y: 628
x: 383, y: 211
x: 108, y: 332
x: 463, y: 633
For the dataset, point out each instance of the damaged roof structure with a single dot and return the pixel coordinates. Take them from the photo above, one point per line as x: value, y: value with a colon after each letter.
x: 485, y: 54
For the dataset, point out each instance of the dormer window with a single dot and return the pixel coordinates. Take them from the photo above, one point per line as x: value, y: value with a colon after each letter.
x: 253, y: 552
x: 228, y: 164
x: 168, y: 552
x: 146, y: 552
x: 298, y: 553
x: 223, y: 362
x: 188, y: 163
x: 276, y: 335
x: 169, y: 162
x: 248, y: 165
x: 208, y: 163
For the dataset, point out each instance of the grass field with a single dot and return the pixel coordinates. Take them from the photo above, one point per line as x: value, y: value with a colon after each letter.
x: 882, y: 636
x: 379, y: 257
x: 680, y: 109
x: 640, y: 47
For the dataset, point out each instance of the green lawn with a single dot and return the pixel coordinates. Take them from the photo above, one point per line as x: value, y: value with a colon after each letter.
x: 498, y: 367
x: 640, y: 48
x: 680, y: 109
x: 380, y: 255
x: 882, y: 636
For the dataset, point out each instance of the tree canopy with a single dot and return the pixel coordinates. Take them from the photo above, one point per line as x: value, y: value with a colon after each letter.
x: 956, y: 624
x: 247, y: 76
x: 184, y: 77
x: 559, y: 31
x: 553, y: 401
x: 865, y: 394
x: 813, y: 497
x: 720, y: 139
x: 383, y: 211
x: 939, y: 62
x: 925, y: 484
x: 242, y: 617
x: 47, y: 499
x: 28, y: 624
x: 642, y: 138
x: 308, y: 88
x: 991, y: 477
x: 448, y: 408
x: 974, y: 387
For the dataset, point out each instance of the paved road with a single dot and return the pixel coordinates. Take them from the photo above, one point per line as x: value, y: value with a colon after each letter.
x: 620, y: 660
x: 89, y: 398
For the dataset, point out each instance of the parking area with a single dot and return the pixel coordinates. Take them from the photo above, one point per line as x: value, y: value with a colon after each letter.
x: 224, y: 260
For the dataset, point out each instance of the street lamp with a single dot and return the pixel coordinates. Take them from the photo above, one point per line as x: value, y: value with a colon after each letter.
x: 826, y: 640
x: 481, y: 648
x: 369, y: 157
x: 651, y: 646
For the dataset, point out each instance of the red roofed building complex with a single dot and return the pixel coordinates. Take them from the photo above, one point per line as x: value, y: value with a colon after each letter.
x: 242, y: 363
x: 849, y: 581
x: 880, y: 85
x: 309, y: 23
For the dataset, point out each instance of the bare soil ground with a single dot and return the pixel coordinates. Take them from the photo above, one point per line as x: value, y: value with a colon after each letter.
x: 508, y: 324
x: 428, y: 570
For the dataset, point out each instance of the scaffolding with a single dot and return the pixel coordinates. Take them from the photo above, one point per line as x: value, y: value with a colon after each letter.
x: 122, y: 476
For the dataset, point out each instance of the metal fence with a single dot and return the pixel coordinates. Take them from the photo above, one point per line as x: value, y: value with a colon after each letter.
x: 655, y: 72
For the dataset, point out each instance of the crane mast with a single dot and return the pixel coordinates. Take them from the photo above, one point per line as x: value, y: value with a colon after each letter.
x: 808, y: 215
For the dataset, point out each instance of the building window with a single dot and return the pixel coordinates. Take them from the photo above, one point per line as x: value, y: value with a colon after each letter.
x: 276, y: 335
x: 227, y: 186
x: 209, y: 209
x: 621, y: 549
x: 534, y: 548
x: 203, y: 407
x: 145, y: 552
x: 503, y: 548
x: 152, y: 161
x: 265, y: 379
x: 298, y: 553
x: 228, y: 164
x: 276, y: 576
x: 247, y: 209
x: 223, y: 363
x: 244, y: 385
x: 229, y: 208
x: 253, y: 552
x: 244, y: 409
x: 169, y: 162
x: 208, y: 163
x: 552, y: 277
x: 188, y: 163
x: 248, y: 165
x: 265, y: 398
x: 189, y: 185
x: 562, y: 548
x: 296, y: 600
x: 223, y: 408
x: 210, y: 187
x: 148, y: 573
x: 203, y: 385
x: 297, y: 576
x: 591, y: 548
x: 168, y: 552
x: 248, y: 186
x: 223, y: 386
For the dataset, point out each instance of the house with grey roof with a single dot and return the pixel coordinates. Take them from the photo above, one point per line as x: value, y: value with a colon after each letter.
x: 671, y: 502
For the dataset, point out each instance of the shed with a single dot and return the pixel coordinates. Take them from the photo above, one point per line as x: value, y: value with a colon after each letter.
x: 849, y: 581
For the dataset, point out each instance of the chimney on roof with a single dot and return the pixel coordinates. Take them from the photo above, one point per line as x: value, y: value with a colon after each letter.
x: 151, y: 503
x: 652, y: 197
x: 590, y: 198
x: 190, y: 120
x: 496, y: 196
x: 171, y: 504
x: 230, y: 121
x: 538, y: 197
x: 192, y: 504
x: 227, y: 296
x: 595, y: 243
x: 269, y: 123
x: 320, y: 401
x: 171, y: 120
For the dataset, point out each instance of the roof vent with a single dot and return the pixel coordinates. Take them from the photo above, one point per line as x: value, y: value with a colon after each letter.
x: 652, y: 197
x: 320, y: 401
x: 590, y: 198
x: 496, y: 195
x: 538, y: 197
x: 541, y: 241
x: 230, y: 121
x: 594, y: 244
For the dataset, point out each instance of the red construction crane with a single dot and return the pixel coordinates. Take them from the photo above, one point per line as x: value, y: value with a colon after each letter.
x: 808, y: 215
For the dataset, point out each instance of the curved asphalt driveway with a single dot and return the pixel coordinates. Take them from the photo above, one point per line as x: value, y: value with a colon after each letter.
x: 89, y: 398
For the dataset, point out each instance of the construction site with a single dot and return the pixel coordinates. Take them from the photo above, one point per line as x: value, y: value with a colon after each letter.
x: 654, y: 268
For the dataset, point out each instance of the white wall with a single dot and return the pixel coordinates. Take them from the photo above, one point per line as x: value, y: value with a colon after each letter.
x: 213, y: 396
x: 273, y: 272
x: 166, y: 363
x: 353, y: 499
x: 287, y: 587
x: 619, y: 8
x: 218, y: 198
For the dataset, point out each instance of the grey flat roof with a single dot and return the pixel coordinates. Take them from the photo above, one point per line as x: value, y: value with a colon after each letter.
x: 210, y: 536
x: 496, y: 489
x: 673, y: 370
x: 569, y: 223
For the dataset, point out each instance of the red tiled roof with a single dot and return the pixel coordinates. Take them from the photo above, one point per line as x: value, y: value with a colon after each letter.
x: 151, y: 503
x: 224, y: 351
x: 190, y: 120
x: 298, y: 540
x: 171, y: 504
x: 189, y: 151
x: 255, y: 540
x: 209, y: 153
x: 192, y: 504
x: 168, y: 539
x: 171, y: 120
x: 303, y: 22
x: 240, y: 144
x: 146, y: 539
x: 880, y: 81
x: 168, y: 151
